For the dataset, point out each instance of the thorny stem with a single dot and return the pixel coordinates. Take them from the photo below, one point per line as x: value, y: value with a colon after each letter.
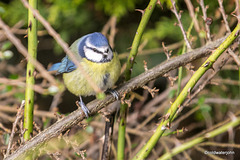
x: 131, y: 59
x: 171, y: 114
x: 30, y: 81
x: 136, y: 42
x: 121, y: 132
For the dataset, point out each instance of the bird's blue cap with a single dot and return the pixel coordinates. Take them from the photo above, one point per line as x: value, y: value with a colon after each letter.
x: 96, y: 39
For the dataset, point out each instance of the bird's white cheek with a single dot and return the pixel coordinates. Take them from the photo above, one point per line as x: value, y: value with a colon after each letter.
x: 91, y: 55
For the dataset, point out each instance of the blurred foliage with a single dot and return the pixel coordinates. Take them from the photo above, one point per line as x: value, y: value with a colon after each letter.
x: 116, y: 7
x: 16, y: 7
x: 163, y: 30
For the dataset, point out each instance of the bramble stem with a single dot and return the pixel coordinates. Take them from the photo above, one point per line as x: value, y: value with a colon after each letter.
x: 146, y: 14
x: 29, y: 93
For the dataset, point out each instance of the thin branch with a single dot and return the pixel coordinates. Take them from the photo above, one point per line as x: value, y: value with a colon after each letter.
x: 25, y: 53
x: 18, y: 117
x: 192, y: 14
x: 224, y: 15
x: 167, y: 53
x: 110, y: 25
x: 18, y: 25
x: 234, y: 56
x: 56, y: 101
x: 38, y: 113
x: 237, y: 9
x: 16, y: 30
x: 204, y: 11
x: 153, y: 50
x: 178, y: 16
x: 17, y: 82
x: 222, y: 145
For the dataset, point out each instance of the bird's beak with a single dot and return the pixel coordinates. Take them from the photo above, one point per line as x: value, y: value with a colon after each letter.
x: 105, y: 54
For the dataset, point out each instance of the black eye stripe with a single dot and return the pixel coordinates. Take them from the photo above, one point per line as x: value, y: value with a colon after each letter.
x: 107, y: 50
x: 94, y: 50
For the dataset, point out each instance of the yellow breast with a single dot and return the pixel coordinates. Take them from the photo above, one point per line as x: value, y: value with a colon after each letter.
x: 104, y: 75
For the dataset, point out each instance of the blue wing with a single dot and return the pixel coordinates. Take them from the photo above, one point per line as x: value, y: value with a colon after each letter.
x: 55, y: 66
x: 65, y: 66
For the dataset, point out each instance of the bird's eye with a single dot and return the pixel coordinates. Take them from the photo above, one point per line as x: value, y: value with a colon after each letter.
x: 95, y: 50
x: 107, y: 50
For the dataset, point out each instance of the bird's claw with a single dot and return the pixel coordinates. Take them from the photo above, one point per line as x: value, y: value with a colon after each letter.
x: 114, y: 93
x: 84, y: 108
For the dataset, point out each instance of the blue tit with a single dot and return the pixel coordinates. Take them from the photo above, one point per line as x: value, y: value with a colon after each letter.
x: 97, y: 59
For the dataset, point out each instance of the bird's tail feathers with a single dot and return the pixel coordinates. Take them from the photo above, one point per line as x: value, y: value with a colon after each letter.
x: 55, y: 67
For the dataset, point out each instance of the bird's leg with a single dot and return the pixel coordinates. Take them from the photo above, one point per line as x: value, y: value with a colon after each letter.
x: 114, y: 93
x: 83, y: 106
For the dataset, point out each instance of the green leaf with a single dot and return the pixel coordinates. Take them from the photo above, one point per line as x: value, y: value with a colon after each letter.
x: 13, y: 76
x: 134, y: 145
x: 205, y: 108
x: 19, y: 96
x: 6, y: 138
x: 116, y: 7
x: 172, y: 93
x: 46, y: 122
x: 201, y: 100
x: 6, y: 45
x: 89, y: 129
x: 2, y: 10
x: 8, y: 88
x: 14, y: 11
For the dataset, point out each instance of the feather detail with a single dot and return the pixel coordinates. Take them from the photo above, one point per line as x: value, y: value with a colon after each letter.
x: 66, y: 66
x: 55, y: 67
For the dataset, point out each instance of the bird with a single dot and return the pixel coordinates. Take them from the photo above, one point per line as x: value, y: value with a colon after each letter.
x: 97, y: 59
